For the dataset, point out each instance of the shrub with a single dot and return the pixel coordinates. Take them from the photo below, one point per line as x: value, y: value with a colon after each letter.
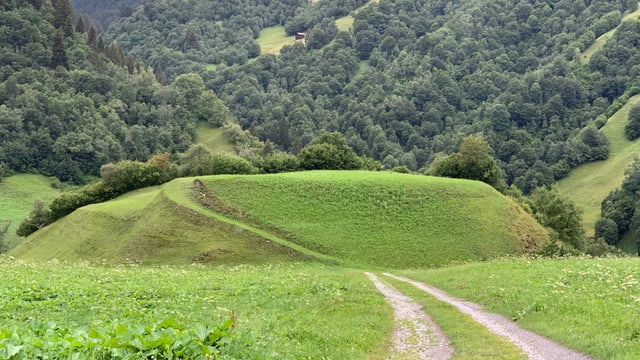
x: 276, y: 163
x: 607, y: 230
x: 329, y: 152
x: 230, y: 164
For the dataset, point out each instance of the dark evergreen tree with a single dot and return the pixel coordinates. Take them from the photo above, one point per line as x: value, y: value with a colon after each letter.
x: 58, y: 52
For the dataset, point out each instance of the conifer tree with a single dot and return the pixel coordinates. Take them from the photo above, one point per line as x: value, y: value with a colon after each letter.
x: 58, y: 53
x: 80, y: 28
x: 62, y: 16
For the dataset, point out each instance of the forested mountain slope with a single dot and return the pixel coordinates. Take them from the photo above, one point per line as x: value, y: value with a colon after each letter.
x: 69, y: 103
x: 437, y: 71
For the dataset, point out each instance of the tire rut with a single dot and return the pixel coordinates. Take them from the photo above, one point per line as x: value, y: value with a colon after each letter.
x: 415, y: 334
x: 535, y: 346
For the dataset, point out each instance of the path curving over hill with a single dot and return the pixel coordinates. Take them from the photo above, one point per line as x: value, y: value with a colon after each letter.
x: 416, y: 335
x: 533, y: 345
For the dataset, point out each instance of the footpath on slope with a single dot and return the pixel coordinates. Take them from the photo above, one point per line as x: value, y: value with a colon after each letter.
x: 416, y: 335
x: 532, y: 344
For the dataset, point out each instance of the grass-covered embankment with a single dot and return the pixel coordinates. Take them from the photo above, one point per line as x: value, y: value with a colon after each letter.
x: 283, y: 311
x: 147, y: 227
x: 587, y: 304
x: 382, y: 219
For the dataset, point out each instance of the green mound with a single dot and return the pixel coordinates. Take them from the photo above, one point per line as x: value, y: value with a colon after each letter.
x: 354, y: 218
x: 147, y: 227
x: 381, y: 219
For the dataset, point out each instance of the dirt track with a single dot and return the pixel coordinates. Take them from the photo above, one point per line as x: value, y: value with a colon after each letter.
x: 531, y: 344
x: 416, y: 335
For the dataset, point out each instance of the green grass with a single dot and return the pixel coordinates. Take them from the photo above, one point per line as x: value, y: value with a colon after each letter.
x: 283, y: 311
x: 469, y: 339
x: 602, y: 39
x: 17, y: 195
x: 213, y: 138
x: 381, y: 219
x: 149, y: 228
x: 272, y: 39
x: 588, y: 184
x: 587, y: 304
x: 352, y: 218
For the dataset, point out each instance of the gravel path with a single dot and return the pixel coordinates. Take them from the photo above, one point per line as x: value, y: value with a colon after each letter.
x: 533, y: 345
x: 416, y: 335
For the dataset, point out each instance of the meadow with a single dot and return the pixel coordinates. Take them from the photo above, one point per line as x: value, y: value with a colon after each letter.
x: 587, y: 304
x: 213, y: 138
x: 381, y: 219
x: 260, y: 312
x: 17, y: 195
x: 588, y: 184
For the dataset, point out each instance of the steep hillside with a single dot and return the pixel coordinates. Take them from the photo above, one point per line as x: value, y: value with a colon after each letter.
x: 69, y: 103
x: 353, y: 218
x: 17, y: 195
x: 435, y: 72
x: 147, y: 227
x: 588, y: 184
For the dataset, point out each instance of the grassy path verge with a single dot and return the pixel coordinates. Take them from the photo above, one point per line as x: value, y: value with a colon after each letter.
x: 533, y: 345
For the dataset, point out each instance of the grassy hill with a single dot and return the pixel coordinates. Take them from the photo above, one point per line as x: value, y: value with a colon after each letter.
x: 588, y: 184
x: 147, y: 227
x: 17, y: 194
x: 353, y: 218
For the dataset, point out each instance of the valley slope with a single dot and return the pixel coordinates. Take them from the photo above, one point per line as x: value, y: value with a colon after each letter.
x: 351, y: 218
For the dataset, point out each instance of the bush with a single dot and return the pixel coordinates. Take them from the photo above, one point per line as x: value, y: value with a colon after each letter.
x: 39, y: 217
x: 329, y: 152
x: 276, y: 163
x: 607, y: 230
x: 230, y: 164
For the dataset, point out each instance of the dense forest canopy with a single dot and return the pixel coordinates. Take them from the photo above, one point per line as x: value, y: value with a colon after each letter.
x: 69, y: 104
x: 412, y: 78
x: 408, y: 82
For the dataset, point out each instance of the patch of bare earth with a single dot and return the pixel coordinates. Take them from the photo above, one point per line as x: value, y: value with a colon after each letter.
x: 416, y: 335
x: 532, y: 344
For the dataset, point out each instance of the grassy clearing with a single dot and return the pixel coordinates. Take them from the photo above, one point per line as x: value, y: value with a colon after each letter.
x: 147, y: 227
x: 470, y: 339
x: 213, y: 138
x: 17, y: 194
x: 587, y: 304
x: 272, y: 39
x: 346, y: 22
x: 381, y: 219
x: 602, y: 39
x: 283, y: 312
x: 588, y: 184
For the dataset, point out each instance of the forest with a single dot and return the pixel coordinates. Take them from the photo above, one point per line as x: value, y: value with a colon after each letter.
x: 404, y: 86
x: 412, y: 78
x: 69, y: 103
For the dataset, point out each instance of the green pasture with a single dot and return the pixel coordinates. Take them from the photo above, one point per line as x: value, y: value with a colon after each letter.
x: 17, y: 195
x: 281, y: 311
x: 272, y: 39
x: 213, y: 138
x: 588, y: 184
x: 587, y: 304
x: 382, y: 219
